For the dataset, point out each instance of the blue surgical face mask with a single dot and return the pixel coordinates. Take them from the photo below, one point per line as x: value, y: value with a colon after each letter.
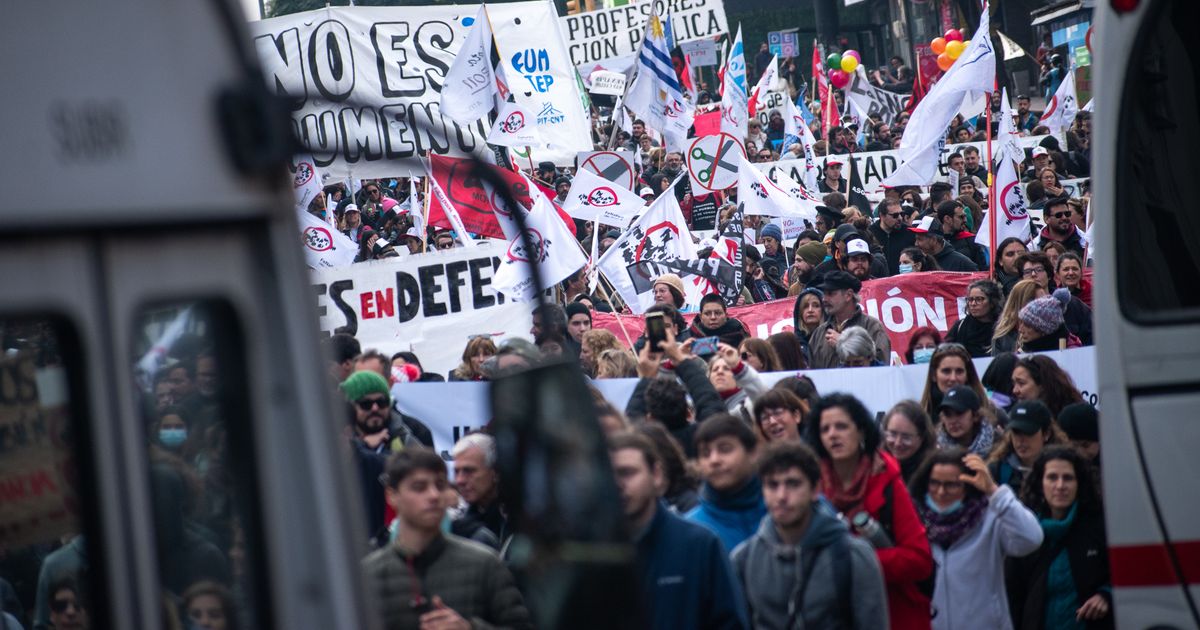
x: 1000, y: 400
x: 172, y: 438
x: 922, y: 355
x: 906, y: 268
x: 950, y: 509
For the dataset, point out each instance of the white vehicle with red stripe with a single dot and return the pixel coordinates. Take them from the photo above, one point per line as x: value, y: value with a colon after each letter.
x: 1147, y: 296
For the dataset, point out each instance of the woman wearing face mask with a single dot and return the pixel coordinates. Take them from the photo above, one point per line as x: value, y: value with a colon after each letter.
x: 1030, y: 429
x: 950, y: 366
x: 1066, y: 584
x: 924, y: 341
x: 973, y: 524
x: 975, y: 330
x: 912, y: 259
x: 1007, y: 253
x: 171, y: 431
x: 909, y: 436
x: 997, y: 381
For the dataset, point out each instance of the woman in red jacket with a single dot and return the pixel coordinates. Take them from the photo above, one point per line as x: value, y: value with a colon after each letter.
x: 863, y: 483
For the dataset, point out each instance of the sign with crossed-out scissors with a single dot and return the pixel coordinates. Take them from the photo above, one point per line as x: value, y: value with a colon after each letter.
x: 712, y: 161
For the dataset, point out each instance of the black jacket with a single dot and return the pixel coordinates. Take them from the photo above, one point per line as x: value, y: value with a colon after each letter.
x: 973, y: 334
x: 1087, y: 551
x: 964, y: 243
x: 893, y: 243
x: 705, y: 400
x: 732, y: 332
x: 950, y: 260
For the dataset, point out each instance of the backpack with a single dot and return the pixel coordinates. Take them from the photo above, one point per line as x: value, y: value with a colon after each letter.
x: 886, y: 521
x: 841, y: 578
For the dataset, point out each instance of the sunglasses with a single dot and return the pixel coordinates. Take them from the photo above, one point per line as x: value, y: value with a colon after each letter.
x: 895, y: 215
x: 445, y: 245
x: 368, y: 404
x: 1059, y: 215
x: 373, y: 191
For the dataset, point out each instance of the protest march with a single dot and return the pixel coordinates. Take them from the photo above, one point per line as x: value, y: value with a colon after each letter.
x: 833, y: 314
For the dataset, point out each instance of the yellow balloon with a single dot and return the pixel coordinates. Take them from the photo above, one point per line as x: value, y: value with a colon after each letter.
x: 955, y: 48
x: 849, y: 64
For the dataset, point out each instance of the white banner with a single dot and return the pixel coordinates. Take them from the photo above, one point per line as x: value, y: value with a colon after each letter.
x: 429, y: 303
x: 364, y: 83
x: 607, y: 33
x: 875, y: 101
x: 454, y: 409
x: 874, y: 166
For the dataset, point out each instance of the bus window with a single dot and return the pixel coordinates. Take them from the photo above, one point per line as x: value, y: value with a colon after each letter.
x: 1157, y: 227
x: 47, y: 496
x: 200, y: 457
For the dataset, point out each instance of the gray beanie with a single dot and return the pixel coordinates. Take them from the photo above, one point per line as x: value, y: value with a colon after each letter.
x: 1045, y: 314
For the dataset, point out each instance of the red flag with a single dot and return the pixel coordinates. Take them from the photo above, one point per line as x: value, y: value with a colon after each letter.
x: 918, y: 93
x: 830, y: 117
x: 473, y: 202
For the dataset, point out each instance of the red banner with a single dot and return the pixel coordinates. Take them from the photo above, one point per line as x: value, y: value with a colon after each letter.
x: 903, y: 303
x: 708, y: 124
x: 470, y: 198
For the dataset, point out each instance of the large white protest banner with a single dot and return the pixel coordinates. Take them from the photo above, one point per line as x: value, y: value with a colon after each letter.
x: 606, y: 33
x: 430, y: 303
x: 451, y: 410
x: 875, y: 101
x: 364, y: 83
x: 874, y: 166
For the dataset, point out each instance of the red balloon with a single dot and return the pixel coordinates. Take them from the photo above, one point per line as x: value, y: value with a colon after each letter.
x: 953, y: 35
x: 839, y: 79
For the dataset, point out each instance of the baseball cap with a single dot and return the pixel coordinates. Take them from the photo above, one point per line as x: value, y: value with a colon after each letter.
x: 645, y: 191
x: 857, y: 247
x: 960, y: 398
x: 351, y: 208
x: 840, y: 280
x: 1039, y: 151
x: 1028, y: 417
x: 928, y: 225
x: 830, y: 161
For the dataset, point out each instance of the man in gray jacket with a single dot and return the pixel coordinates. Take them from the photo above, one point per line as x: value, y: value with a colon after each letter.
x: 803, y: 569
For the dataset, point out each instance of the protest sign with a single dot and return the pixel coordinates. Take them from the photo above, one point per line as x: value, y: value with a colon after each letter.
x: 700, y: 52
x: 873, y: 100
x: 451, y: 410
x: 615, y: 166
x: 606, y: 33
x: 767, y: 103
x: 712, y: 161
x: 784, y: 44
x: 38, y: 503
x: 364, y: 83
x: 607, y: 82
x: 428, y: 303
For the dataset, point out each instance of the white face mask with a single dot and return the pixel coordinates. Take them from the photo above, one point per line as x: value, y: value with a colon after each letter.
x: 906, y: 268
x: 922, y: 355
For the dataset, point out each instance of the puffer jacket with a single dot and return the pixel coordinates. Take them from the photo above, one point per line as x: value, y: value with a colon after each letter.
x: 468, y: 577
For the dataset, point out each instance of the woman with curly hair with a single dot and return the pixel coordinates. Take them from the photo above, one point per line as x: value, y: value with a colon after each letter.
x: 1038, y: 377
x: 974, y: 331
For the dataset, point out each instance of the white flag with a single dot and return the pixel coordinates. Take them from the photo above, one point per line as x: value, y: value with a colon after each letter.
x: 468, y: 93
x: 514, y: 127
x: 656, y: 94
x: 734, y: 101
x: 1008, y: 143
x: 766, y: 82
x: 306, y: 183
x: 794, y: 126
x: 324, y: 246
x: 1013, y: 216
x: 763, y: 197
x: 925, y: 134
x: 661, y: 233
x: 1063, y: 106
x: 156, y: 357
x: 593, y: 198
x: 556, y: 253
x: 1012, y: 50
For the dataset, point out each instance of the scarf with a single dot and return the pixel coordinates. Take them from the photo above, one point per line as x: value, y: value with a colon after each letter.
x: 981, y: 445
x: 732, y: 332
x: 726, y: 394
x: 1056, y: 530
x: 848, y: 500
x: 945, y: 529
x: 975, y: 335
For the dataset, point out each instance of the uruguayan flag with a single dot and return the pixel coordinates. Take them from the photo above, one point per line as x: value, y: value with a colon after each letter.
x: 656, y: 95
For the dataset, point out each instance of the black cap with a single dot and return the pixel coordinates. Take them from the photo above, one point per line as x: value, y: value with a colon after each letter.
x: 546, y: 166
x: 960, y: 398
x: 840, y: 280
x: 1028, y: 417
x: 1080, y: 422
x: 845, y: 232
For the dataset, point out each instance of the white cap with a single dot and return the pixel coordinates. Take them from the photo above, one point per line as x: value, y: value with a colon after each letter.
x: 351, y: 208
x: 412, y: 231
x: 646, y: 191
x: 1039, y: 151
x: 857, y: 246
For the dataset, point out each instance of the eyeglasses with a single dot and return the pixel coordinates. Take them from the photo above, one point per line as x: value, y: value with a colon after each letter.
x: 1059, y: 215
x: 61, y: 605
x: 948, y: 486
x: 976, y: 299
x: 900, y: 437
x: 1033, y: 272
x: 778, y: 412
x: 368, y: 404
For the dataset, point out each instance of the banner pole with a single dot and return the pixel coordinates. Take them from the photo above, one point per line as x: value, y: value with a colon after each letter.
x: 991, y: 195
x: 529, y: 156
x: 425, y: 235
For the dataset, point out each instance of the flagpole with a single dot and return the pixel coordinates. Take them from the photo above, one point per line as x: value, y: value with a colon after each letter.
x: 991, y: 194
x: 529, y: 156
x: 425, y: 222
